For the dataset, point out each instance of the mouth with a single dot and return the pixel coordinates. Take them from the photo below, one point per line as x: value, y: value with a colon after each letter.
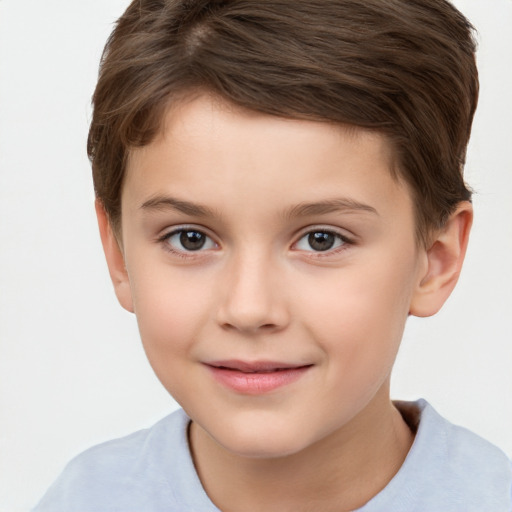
x: 258, y: 377
x: 254, y: 367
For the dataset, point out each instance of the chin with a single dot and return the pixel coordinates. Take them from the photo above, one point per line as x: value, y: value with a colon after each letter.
x: 263, y: 448
x: 263, y: 439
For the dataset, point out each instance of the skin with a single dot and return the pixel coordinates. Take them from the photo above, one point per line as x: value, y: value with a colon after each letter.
x: 256, y: 186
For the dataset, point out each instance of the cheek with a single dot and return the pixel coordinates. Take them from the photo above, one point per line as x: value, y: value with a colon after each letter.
x: 171, y: 309
x: 358, y: 318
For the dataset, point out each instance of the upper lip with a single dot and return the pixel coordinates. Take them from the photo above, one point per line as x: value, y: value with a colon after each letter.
x: 254, y: 366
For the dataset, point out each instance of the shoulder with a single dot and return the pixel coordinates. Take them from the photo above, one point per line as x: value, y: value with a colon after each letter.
x: 463, y: 455
x: 448, y: 468
x: 132, y: 473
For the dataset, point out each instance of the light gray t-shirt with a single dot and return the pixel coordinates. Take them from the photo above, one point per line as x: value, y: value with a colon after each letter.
x: 448, y: 469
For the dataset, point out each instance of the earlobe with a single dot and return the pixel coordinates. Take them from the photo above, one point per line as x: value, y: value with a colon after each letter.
x: 115, y: 259
x: 444, y: 263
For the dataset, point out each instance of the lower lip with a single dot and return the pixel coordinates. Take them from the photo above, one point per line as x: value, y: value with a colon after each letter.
x: 257, y: 383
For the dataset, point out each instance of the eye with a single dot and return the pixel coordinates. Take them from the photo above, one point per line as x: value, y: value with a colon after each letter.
x: 188, y: 240
x: 321, y: 241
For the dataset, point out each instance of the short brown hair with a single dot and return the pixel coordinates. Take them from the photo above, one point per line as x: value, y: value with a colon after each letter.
x: 405, y: 68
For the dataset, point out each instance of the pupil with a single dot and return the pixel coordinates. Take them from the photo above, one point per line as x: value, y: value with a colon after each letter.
x: 192, y: 240
x: 321, y: 241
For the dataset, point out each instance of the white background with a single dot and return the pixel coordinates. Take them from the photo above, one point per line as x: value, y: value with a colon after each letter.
x: 72, y: 370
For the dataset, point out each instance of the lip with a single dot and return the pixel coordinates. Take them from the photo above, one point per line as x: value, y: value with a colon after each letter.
x: 256, y: 377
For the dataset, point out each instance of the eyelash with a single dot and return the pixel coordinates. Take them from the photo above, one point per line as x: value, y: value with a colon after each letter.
x: 345, y: 242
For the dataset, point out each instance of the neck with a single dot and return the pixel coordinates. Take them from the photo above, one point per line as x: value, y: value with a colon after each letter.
x: 340, y: 472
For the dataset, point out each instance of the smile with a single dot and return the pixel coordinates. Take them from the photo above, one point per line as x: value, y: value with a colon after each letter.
x: 255, y: 378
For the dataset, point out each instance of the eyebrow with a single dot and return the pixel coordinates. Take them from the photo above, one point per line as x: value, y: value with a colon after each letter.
x: 163, y: 203
x: 329, y: 206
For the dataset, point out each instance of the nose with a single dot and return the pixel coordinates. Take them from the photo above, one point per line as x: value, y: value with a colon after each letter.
x: 253, y: 296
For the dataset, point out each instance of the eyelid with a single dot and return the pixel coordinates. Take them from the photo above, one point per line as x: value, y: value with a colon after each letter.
x: 170, y: 230
x: 313, y: 228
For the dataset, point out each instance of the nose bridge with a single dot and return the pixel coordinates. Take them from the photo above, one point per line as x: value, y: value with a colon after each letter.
x: 252, y: 297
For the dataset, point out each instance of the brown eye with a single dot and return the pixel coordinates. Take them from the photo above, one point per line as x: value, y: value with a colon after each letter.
x: 321, y: 240
x: 192, y: 240
x: 188, y: 240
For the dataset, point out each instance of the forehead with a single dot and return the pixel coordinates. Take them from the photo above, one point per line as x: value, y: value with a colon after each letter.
x: 216, y: 153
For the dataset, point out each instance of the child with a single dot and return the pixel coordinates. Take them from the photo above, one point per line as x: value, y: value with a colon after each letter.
x: 279, y: 186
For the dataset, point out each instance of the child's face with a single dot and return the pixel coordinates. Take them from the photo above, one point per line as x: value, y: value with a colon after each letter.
x: 281, y: 248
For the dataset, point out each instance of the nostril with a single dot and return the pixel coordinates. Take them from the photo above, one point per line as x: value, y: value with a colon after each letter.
x: 265, y: 327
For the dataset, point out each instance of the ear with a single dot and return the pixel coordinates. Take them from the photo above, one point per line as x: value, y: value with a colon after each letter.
x: 115, y: 259
x: 444, y: 263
